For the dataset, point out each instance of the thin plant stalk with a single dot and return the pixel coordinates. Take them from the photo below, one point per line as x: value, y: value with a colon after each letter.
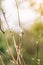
x: 9, y: 49
x: 1, y: 60
x: 15, y: 45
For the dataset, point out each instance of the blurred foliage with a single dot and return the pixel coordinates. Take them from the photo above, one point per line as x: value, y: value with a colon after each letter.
x: 28, y: 44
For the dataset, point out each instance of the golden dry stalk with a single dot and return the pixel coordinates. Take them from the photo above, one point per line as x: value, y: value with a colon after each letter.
x: 41, y: 9
x: 1, y: 60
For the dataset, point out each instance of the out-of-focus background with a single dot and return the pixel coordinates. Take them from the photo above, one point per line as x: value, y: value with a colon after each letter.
x: 31, y: 20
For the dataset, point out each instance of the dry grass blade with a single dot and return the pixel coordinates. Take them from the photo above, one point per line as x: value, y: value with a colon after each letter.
x: 17, y: 47
x: 1, y: 60
x: 7, y: 44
